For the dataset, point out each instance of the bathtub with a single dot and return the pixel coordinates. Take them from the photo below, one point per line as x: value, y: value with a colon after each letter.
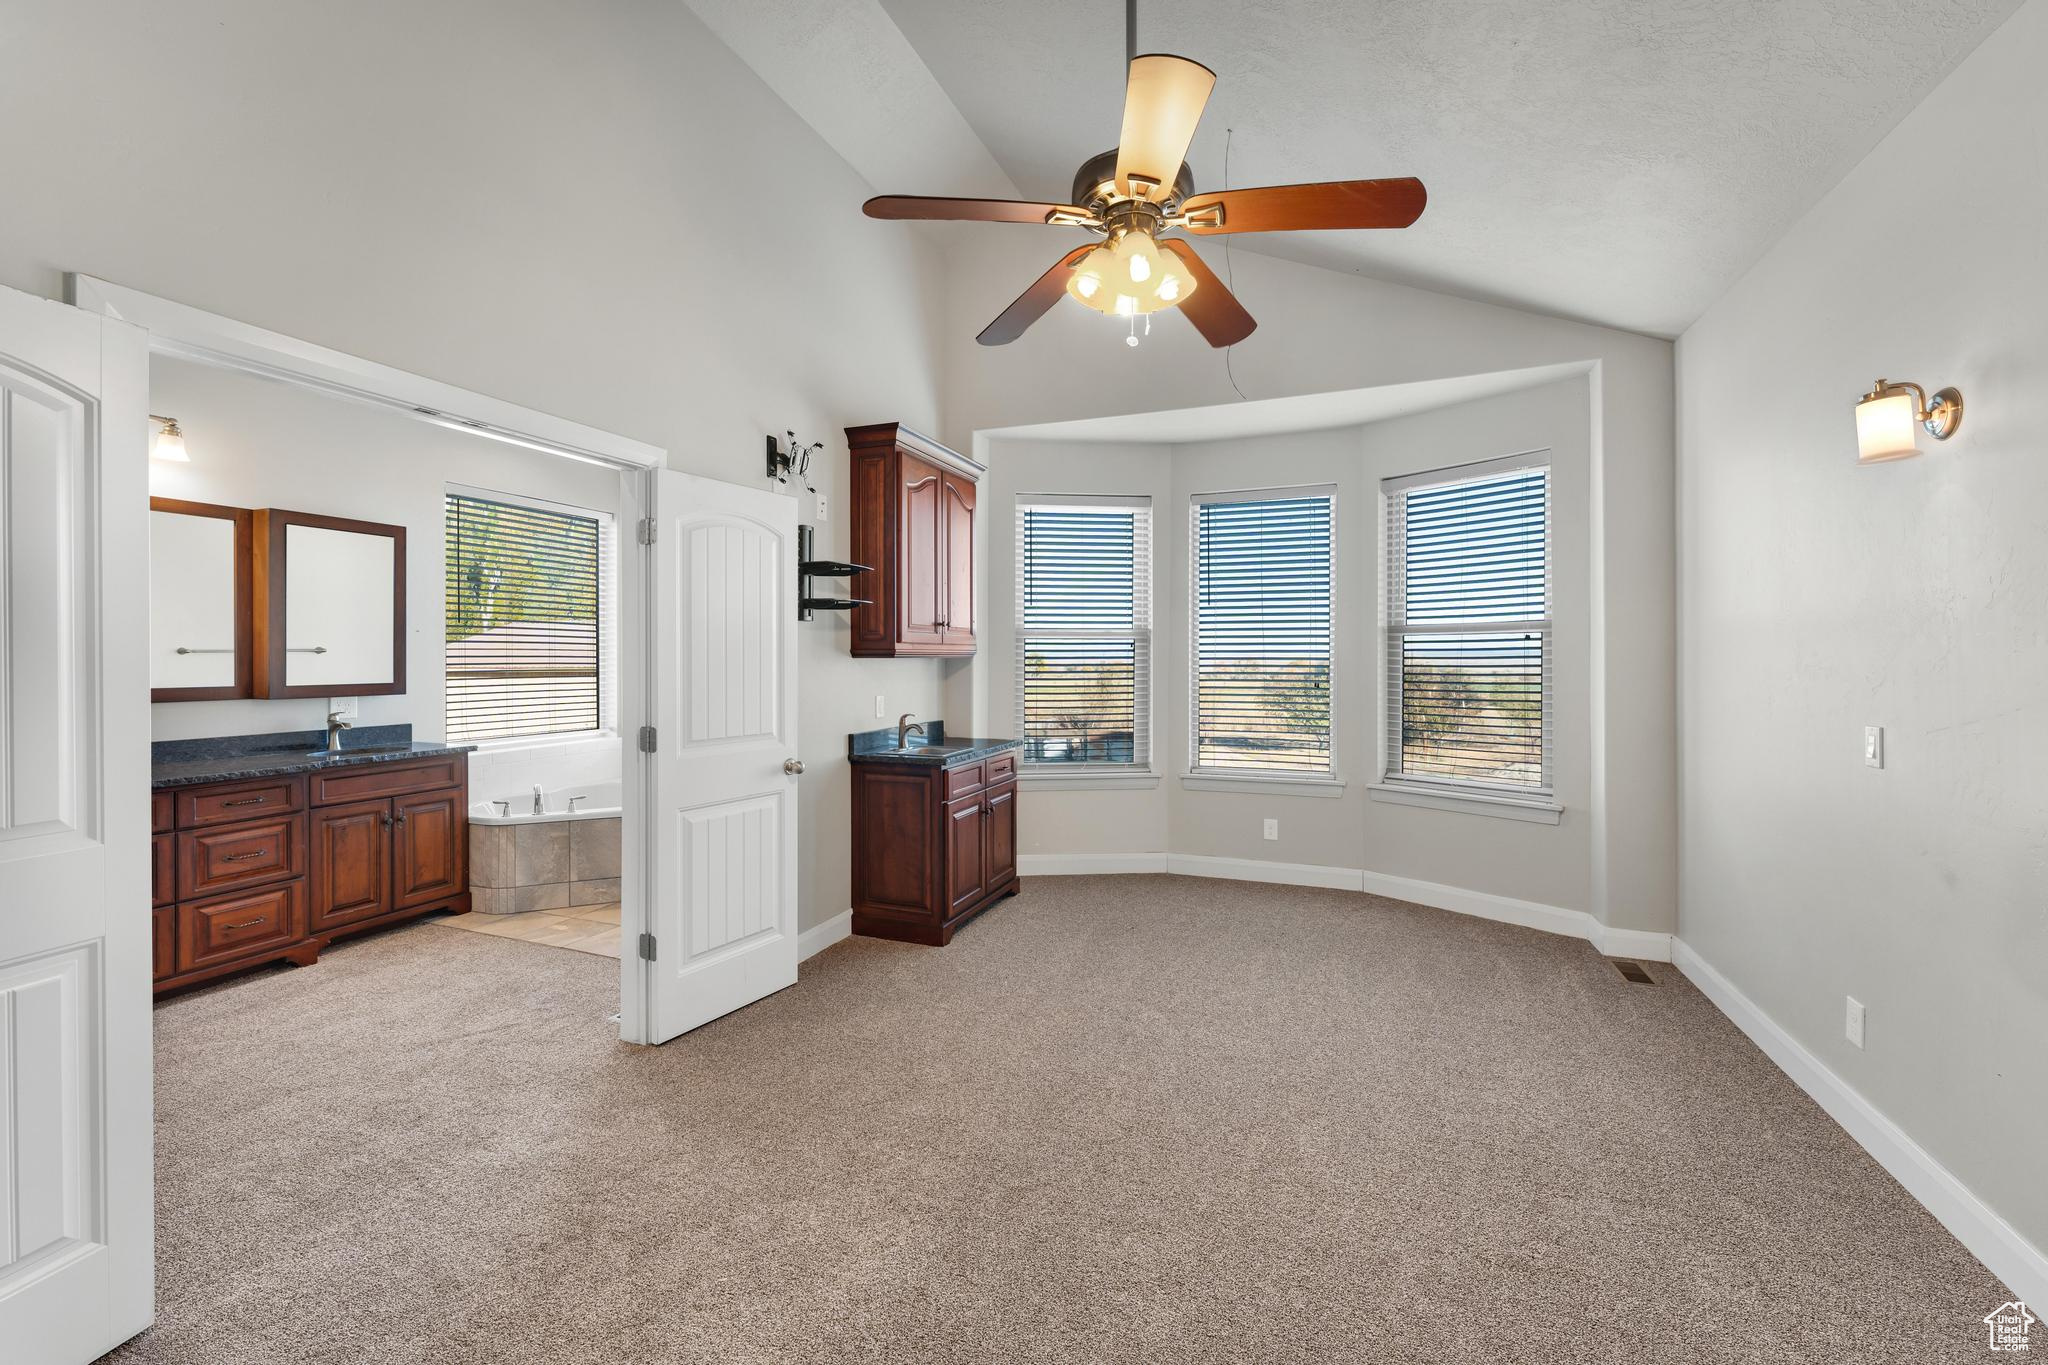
x: 598, y: 801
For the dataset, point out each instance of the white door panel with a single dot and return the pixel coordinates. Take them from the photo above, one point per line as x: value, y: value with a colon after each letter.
x: 723, y: 900
x: 76, y: 1218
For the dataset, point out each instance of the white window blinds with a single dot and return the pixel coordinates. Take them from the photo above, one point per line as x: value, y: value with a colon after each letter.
x: 1468, y: 634
x: 524, y: 597
x: 1261, y: 623
x: 1084, y: 631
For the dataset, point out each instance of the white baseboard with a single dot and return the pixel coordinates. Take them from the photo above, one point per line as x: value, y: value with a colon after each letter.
x: 1992, y: 1240
x: 819, y: 937
x: 1552, y: 919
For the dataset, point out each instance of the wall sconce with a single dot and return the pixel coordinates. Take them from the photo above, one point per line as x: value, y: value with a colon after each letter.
x: 170, y: 442
x: 1886, y: 416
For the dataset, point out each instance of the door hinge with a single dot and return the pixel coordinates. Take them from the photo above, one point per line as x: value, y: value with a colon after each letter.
x: 647, y: 530
x: 647, y: 739
x: 647, y: 947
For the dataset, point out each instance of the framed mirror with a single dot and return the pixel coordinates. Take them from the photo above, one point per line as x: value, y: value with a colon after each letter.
x: 330, y: 609
x: 199, y: 601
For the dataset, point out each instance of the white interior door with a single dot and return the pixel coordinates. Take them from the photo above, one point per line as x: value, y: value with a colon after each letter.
x: 723, y: 827
x: 76, y: 1218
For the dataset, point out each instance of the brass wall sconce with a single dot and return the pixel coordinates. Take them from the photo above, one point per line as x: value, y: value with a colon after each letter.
x: 1886, y: 416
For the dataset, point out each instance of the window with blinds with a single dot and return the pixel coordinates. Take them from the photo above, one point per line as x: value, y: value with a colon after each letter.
x: 525, y: 611
x: 1468, y: 633
x: 1260, y: 686
x: 1084, y: 631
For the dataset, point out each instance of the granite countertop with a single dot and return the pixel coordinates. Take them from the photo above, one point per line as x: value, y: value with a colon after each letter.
x: 186, y: 762
x: 935, y: 748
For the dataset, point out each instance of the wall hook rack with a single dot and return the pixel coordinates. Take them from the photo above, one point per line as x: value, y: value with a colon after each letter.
x: 808, y: 568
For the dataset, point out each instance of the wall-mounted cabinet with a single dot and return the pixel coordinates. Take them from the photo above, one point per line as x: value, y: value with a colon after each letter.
x: 912, y: 504
x: 330, y: 606
x: 199, y: 601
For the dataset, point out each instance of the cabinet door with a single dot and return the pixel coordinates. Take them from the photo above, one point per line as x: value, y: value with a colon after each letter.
x: 1002, y: 833
x: 429, y: 846
x: 351, y: 863
x: 966, y: 852
x: 921, y: 529
x: 956, y: 622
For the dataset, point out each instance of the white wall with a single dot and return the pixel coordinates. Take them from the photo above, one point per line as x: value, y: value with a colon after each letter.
x: 594, y: 209
x: 1547, y: 864
x: 1819, y: 597
x: 258, y: 443
x: 1325, y: 332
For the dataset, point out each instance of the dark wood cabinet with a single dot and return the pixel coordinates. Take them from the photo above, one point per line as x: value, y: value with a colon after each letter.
x: 912, y: 510
x: 276, y: 869
x: 932, y: 847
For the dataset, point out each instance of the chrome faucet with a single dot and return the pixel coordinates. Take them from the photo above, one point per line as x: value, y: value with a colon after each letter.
x: 539, y: 807
x: 905, y: 728
x: 335, y: 725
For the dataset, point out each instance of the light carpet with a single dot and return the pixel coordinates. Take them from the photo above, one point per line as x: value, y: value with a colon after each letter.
x: 1118, y: 1119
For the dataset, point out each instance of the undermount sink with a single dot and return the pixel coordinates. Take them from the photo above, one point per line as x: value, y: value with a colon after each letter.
x: 366, y: 749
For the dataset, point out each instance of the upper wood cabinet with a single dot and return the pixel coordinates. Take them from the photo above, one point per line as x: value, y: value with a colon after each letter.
x: 330, y: 606
x: 199, y: 601
x: 912, y: 504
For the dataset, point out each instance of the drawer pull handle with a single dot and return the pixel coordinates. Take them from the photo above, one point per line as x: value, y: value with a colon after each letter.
x: 244, y: 857
x: 247, y: 801
x: 247, y: 924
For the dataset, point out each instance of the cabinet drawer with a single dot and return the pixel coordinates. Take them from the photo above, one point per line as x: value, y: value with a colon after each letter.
x: 389, y: 779
x: 963, y: 779
x: 163, y: 869
x: 236, y: 926
x: 203, y: 806
x: 1002, y: 768
x: 211, y: 860
x: 164, y: 941
x: 162, y: 812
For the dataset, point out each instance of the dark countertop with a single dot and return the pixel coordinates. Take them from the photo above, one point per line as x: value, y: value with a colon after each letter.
x: 187, y: 762
x: 935, y: 748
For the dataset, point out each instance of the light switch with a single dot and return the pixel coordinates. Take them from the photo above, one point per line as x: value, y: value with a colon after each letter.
x: 880, y: 709
x: 1873, y: 746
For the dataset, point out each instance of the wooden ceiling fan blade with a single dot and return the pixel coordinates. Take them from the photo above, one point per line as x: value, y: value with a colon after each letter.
x: 1301, y: 208
x: 1163, y: 101
x: 908, y: 206
x: 1214, y: 310
x: 1033, y: 303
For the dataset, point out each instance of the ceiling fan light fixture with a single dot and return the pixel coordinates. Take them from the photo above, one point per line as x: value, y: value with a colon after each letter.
x: 1129, y: 276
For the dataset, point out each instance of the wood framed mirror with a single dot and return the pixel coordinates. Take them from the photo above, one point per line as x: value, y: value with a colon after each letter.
x: 200, y: 600
x: 330, y: 606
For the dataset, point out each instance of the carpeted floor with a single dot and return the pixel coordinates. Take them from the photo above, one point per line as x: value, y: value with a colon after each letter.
x: 1120, y: 1119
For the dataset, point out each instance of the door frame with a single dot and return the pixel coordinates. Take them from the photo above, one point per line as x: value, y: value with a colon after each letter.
x: 195, y: 335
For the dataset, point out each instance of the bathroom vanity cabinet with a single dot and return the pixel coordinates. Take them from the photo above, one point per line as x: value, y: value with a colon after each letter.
x: 251, y: 870
x: 912, y: 508
x: 934, y: 837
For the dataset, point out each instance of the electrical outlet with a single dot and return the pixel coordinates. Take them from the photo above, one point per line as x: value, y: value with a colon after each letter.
x: 1852, y: 1021
x: 345, y: 707
x: 881, y: 707
x: 822, y: 517
x: 1873, y: 746
x: 1272, y: 829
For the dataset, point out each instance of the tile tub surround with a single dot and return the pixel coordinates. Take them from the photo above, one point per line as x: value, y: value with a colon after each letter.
x: 227, y: 758
x: 555, y: 865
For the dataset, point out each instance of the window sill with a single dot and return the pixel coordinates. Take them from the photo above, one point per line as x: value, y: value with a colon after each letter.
x: 1039, y: 779
x: 1273, y: 786
x: 1537, y: 810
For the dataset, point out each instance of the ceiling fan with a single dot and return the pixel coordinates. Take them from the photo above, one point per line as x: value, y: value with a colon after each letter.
x: 1143, y: 188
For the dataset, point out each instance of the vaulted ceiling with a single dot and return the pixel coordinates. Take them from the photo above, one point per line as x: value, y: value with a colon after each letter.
x: 1621, y: 161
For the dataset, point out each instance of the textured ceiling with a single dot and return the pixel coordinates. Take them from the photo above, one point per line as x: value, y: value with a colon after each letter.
x: 1620, y: 161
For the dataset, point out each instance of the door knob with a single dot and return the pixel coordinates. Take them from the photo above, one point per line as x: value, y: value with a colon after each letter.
x: 792, y: 766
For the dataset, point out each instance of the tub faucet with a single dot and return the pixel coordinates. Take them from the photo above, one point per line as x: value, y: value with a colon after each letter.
x: 539, y: 806
x: 905, y: 728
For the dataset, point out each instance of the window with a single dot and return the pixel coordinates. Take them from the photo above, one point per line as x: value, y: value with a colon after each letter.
x: 1084, y: 631
x: 1468, y: 627
x: 526, y: 594
x: 1261, y: 677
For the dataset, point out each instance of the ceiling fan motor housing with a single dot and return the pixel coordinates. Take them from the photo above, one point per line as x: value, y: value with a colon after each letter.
x: 1095, y: 185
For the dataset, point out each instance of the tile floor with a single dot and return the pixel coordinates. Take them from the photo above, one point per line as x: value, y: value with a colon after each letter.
x: 585, y: 928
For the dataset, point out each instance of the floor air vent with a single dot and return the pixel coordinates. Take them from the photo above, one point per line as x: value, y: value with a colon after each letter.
x: 1634, y: 971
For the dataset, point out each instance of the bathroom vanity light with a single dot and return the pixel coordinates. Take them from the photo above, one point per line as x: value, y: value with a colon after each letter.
x: 1886, y: 416
x: 170, y: 442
